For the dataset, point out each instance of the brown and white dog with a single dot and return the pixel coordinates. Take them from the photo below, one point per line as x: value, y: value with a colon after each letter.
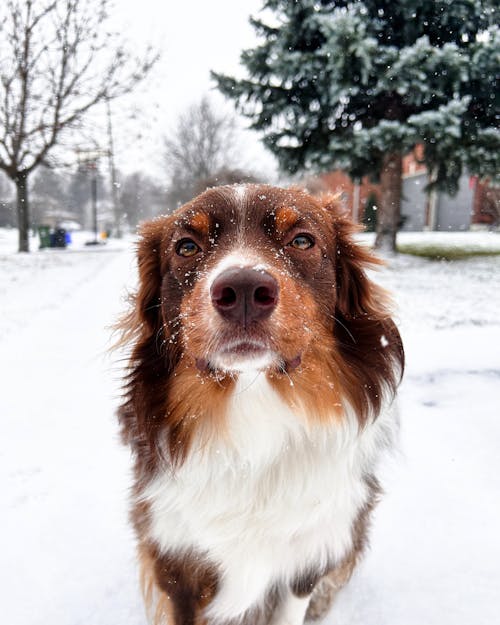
x: 258, y: 403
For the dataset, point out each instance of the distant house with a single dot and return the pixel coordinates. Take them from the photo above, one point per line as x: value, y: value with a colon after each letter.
x: 476, y: 205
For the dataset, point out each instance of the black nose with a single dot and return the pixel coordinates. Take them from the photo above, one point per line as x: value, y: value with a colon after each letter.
x: 244, y: 295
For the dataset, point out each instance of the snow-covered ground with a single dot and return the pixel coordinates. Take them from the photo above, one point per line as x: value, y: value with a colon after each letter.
x: 435, y: 544
x: 67, y: 549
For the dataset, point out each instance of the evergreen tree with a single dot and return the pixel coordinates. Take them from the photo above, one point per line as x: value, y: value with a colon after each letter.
x: 356, y: 85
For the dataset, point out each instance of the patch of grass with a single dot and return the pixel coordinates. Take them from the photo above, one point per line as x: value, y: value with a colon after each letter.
x: 444, y: 252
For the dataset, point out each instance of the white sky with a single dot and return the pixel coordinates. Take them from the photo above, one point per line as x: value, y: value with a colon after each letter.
x: 193, y: 37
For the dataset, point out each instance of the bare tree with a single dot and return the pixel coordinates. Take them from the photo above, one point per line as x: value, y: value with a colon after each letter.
x: 49, y: 193
x: 140, y: 197
x: 58, y: 61
x: 202, y: 143
x: 225, y: 176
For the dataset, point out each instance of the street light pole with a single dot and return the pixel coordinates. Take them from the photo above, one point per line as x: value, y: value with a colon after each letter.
x: 93, y: 193
x: 112, y: 169
x: 89, y: 160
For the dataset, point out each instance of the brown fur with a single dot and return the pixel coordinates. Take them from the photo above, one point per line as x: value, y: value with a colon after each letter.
x: 328, y: 328
x: 158, y: 603
x: 286, y: 218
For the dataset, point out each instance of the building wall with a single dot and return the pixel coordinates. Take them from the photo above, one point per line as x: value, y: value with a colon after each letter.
x: 414, y: 203
x: 455, y: 212
x: 339, y: 182
x: 470, y: 205
x: 486, y: 203
x: 452, y: 212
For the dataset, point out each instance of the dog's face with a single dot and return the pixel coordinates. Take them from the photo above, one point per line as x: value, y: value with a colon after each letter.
x: 256, y: 277
x: 252, y: 277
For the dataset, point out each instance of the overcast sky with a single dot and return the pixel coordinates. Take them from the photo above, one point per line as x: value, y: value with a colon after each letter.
x: 193, y: 37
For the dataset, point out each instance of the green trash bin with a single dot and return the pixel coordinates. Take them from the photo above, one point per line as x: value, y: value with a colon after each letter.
x: 44, y: 234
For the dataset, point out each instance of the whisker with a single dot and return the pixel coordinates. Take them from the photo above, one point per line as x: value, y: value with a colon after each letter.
x: 152, y: 307
x: 345, y: 328
x: 159, y: 334
x: 249, y: 385
x: 285, y: 372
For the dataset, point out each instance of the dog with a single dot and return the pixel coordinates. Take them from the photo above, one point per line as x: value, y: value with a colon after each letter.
x: 258, y: 401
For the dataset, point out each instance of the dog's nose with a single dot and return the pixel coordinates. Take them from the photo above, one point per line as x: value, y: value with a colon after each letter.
x: 244, y: 295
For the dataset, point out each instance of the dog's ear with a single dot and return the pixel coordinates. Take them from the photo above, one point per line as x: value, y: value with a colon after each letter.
x: 148, y: 296
x: 143, y: 319
x: 366, y: 336
x: 152, y: 356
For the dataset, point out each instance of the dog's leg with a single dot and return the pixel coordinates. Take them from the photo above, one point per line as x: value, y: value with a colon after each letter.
x: 176, y: 589
x: 328, y: 587
x: 291, y: 610
x: 159, y: 606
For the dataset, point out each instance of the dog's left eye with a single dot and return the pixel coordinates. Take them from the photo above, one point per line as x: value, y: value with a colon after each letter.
x: 302, y: 242
x: 187, y: 248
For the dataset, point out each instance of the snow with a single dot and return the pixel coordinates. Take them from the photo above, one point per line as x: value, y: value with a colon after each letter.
x: 434, y: 546
x: 67, y: 548
x: 479, y: 240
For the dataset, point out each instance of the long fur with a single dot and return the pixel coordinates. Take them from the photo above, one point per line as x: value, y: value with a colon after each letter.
x: 228, y: 463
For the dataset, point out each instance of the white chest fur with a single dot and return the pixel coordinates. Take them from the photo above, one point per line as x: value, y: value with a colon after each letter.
x: 271, y: 500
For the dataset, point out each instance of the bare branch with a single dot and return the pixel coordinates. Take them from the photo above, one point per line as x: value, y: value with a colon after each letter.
x: 201, y: 146
x: 58, y: 61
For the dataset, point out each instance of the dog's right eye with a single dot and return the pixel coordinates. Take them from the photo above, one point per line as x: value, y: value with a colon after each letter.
x: 187, y: 248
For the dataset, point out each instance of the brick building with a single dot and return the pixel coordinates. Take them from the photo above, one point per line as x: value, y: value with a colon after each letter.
x: 477, y: 204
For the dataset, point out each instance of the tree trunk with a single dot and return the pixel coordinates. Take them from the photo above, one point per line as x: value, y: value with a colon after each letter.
x: 389, y: 212
x: 23, y: 221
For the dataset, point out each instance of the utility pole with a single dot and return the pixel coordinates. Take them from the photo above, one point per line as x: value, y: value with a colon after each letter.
x: 93, y: 190
x: 112, y: 171
x: 89, y: 160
